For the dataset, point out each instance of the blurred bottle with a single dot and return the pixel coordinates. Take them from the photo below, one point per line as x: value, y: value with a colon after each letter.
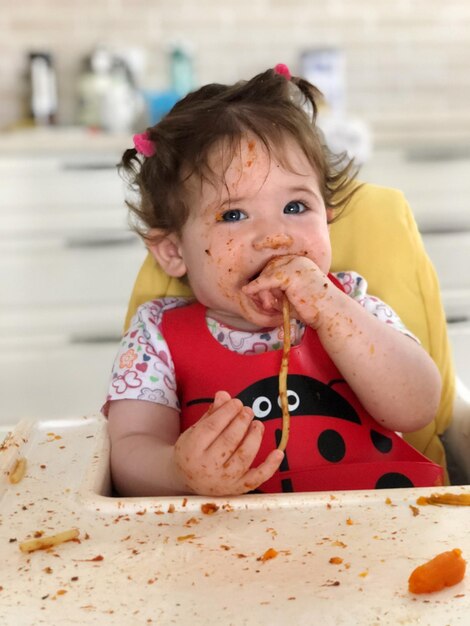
x: 181, y: 69
x: 42, y: 84
x: 93, y: 84
x: 326, y: 69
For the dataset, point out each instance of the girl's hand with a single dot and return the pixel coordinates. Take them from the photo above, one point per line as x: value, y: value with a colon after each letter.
x: 307, y: 288
x: 214, y: 456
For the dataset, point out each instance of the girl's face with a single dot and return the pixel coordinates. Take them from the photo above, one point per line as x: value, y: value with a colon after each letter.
x: 263, y: 210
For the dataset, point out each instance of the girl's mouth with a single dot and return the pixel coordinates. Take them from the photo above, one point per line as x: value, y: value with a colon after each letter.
x: 255, y: 276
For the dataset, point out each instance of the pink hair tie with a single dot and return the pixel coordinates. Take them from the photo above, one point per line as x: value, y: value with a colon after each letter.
x: 283, y: 70
x: 144, y: 145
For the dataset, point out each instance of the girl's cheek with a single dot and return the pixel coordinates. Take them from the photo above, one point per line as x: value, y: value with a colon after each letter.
x: 225, y: 289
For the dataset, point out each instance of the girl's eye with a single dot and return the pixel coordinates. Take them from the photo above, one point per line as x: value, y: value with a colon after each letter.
x: 233, y: 215
x: 295, y: 207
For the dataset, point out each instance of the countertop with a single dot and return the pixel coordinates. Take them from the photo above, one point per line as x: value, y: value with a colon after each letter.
x: 58, y: 140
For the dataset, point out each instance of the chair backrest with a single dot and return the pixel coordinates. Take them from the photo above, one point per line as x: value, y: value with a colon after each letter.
x: 377, y: 237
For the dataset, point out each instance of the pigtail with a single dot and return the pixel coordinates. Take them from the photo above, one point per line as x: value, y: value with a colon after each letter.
x: 307, y: 97
x: 129, y: 165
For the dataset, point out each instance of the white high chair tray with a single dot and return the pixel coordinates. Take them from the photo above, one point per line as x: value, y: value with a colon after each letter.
x: 165, y: 561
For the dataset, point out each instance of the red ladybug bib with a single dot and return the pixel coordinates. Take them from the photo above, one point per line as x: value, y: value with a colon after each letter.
x: 334, y: 444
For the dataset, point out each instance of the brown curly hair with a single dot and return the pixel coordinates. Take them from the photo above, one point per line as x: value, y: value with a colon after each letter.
x: 268, y: 106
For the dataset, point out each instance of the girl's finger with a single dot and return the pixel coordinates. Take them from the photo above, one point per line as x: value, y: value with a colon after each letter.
x: 262, y: 283
x: 219, y: 399
x: 256, y: 476
x: 209, y: 427
x: 246, y: 452
x: 231, y: 437
x: 268, y: 300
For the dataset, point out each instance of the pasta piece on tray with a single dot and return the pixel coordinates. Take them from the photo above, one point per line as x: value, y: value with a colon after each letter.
x: 46, y: 542
x: 455, y: 499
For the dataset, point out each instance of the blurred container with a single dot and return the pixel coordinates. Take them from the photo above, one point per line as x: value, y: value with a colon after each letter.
x: 346, y: 135
x: 159, y: 103
x: 108, y: 97
x: 42, y: 89
x: 325, y: 68
x: 181, y: 82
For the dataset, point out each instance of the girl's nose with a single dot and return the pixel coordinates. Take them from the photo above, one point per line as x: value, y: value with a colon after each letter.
x: 273, y: 242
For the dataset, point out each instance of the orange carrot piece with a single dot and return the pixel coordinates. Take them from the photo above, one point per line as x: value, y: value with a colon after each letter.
x: 444, y: 570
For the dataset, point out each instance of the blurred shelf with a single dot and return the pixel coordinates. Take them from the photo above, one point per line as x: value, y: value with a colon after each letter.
x: 56, y: 140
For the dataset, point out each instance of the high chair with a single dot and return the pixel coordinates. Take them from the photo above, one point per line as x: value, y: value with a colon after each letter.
x: 377, y: 236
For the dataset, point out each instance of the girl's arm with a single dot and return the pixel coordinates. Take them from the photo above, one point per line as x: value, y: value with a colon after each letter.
x: 149, y: 456
x: 143, y: 436
x: 392, y: 375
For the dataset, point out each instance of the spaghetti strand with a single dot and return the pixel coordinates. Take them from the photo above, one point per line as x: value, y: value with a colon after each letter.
x: 283, y: 375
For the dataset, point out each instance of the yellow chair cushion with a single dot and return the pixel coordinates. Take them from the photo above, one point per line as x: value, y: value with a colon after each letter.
x: 377, y: 237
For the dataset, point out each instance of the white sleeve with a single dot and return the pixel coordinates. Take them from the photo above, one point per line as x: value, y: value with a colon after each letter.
x: 143, y: 368
x: 355, y: 286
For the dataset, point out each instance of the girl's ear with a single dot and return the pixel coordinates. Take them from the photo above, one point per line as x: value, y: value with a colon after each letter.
x: 166, y: 250
x: 330, y: 213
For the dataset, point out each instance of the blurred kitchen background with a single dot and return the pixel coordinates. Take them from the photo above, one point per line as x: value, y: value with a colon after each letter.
x: 78, y: 78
